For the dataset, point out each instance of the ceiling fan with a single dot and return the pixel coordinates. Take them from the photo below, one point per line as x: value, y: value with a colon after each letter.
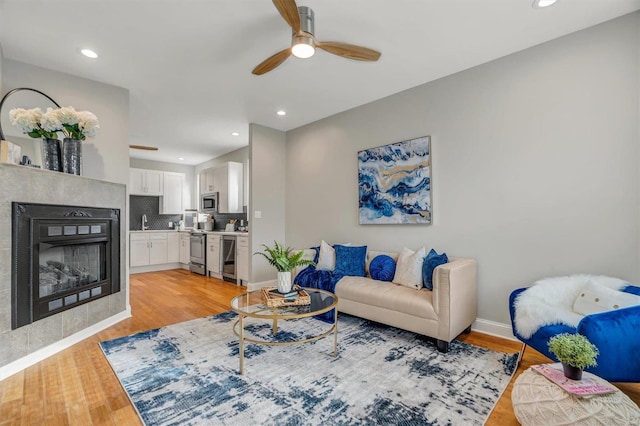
x: 145, y: 147
x: 303, y: 42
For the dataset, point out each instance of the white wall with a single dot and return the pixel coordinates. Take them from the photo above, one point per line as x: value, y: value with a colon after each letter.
x: 107, y: 156
x: 239, y: 156
x: 535, y: 164
x: 267, y: 153
x: 190, y: 199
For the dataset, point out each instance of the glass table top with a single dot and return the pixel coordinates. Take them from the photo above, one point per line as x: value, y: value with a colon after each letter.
x: 253, y: 304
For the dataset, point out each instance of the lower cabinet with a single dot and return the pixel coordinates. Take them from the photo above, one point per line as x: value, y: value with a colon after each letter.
x: 185, y: 248
x: 242, y: 258
x: 148, y: 249
x: 173, y: 247
x: 213, y: 255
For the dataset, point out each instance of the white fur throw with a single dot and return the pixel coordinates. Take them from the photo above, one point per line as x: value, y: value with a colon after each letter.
x: 550, y: 301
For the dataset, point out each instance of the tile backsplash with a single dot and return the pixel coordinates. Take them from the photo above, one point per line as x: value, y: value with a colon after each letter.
x: 151, y: 206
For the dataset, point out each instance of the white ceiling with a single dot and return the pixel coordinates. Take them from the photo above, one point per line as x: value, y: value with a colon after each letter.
x: 187, y: 63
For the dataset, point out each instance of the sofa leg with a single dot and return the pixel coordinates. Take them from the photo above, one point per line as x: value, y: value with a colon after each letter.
x: 443, y: 346
x: 467, y: 330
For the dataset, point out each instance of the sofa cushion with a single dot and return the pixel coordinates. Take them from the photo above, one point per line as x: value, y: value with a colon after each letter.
x: 372, y: 254
x: 409, y: 268
x: 595, y: 298
x: 382, y: 268
x: 430, y: 263
x: 387, y: 295
x: 350, y: 260
x: 327, y: 257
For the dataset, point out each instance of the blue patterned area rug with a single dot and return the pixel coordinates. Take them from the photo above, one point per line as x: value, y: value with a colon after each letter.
x: 187, y: 374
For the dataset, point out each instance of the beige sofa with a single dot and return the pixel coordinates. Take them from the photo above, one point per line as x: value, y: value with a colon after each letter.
x: 443, y: 313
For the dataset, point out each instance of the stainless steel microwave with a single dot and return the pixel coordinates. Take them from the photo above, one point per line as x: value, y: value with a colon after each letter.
x: 209, y: 203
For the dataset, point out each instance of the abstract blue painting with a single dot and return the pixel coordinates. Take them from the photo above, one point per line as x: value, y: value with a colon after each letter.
x: 395, y: 183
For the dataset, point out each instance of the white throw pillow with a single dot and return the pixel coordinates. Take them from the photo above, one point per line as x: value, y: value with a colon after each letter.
x: 327, y: 257
x: 595, y: 298
x: 409, y: 268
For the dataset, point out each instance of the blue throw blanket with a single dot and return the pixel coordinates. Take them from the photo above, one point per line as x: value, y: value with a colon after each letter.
x: 324, y: 280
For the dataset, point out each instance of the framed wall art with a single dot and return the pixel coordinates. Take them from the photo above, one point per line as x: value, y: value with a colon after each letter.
x: 395, y: 183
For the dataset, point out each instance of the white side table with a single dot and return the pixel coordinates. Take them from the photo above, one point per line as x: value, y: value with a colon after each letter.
x: 538, y: 401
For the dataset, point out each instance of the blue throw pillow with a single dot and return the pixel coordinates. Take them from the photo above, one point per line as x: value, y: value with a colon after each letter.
x: 382, y: 268
x: 350, y: 260
x: 432, y: 260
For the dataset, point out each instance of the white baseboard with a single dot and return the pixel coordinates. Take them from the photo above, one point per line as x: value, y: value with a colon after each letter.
x: 41, y: 354
x: 153, y: 268
x: 493, y: 328
x: 259, y: 285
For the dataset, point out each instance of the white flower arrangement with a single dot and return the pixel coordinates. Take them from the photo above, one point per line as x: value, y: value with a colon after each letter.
x: 73, y: 124
x: 29, y: 121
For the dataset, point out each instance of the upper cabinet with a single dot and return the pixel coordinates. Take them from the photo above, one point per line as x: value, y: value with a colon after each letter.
x: 168, y: 185
x: 172, y: 193
x: 228, y: 181
x: 146, y: 182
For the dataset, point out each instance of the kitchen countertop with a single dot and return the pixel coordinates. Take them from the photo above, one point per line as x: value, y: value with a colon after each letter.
x: 237, y: 233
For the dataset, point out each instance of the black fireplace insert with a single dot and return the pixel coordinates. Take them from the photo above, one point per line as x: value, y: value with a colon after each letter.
x: 62, y: 257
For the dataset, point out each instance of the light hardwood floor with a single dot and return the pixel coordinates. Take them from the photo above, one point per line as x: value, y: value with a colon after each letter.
x: 78, y: 387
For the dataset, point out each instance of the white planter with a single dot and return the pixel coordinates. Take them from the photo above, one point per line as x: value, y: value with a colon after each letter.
x: 284, y: 282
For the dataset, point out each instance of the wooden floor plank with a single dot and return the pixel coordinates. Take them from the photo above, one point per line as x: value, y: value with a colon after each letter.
x: 78, y: 386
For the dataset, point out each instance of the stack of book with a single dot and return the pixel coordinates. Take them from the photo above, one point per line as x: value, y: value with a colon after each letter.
x: 274, y: 298
x: 293, y: 294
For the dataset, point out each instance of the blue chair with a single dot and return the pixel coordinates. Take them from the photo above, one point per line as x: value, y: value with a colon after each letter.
x: 616, y: 334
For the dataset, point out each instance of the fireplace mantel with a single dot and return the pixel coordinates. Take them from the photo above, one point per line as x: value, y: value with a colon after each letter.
x: 23, y: 346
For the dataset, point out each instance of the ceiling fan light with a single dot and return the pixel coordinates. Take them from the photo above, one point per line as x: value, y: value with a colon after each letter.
x: 303, y: 47
x: 539, y: 4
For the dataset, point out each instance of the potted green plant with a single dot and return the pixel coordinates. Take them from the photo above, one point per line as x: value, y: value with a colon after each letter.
x: 575, y: 352
x: 284, y: 260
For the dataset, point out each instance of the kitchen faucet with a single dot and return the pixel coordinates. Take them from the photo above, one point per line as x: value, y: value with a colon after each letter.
x: 144, y: 222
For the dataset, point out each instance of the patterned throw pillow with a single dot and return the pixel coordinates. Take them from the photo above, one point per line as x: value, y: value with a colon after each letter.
x: 382, y: 268
x: 432, y: 260
x: 350, y: 260
x: 409, y: 268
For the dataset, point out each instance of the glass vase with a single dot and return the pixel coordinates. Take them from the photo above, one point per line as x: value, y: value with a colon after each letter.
x: 51, y: 156
x: 72, y: 156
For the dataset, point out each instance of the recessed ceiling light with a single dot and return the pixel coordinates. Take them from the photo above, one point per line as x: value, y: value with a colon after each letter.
x: 180, y: 158
x: 281, y: 112
x: 89, y: 53
x: 539, y: 4
x: 235, y: 134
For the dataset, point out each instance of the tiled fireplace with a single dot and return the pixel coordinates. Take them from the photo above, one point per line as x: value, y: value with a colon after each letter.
x: 62, y: 257
x: 80, y: 269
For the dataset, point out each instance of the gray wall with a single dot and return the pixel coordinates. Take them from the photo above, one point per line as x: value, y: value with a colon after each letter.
x: 190, y: 199
x: 107, y: 156
x: 535, y: 164
x: 267, y: 153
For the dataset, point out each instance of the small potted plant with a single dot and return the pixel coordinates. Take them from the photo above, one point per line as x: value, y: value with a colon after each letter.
x: 284, y: 260
x: 575, y: 352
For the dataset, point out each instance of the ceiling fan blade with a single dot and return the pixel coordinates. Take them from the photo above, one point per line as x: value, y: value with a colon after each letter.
x: 350, y: 51
x: 289, y: 11
x: 272, y: 61
x: 147, y: 148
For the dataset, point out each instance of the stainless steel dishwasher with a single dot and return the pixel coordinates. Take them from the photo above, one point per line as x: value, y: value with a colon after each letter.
x: 229, y: 258
x: 198, y: 260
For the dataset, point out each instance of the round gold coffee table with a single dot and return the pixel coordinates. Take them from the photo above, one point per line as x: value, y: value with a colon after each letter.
x: 252, y: 304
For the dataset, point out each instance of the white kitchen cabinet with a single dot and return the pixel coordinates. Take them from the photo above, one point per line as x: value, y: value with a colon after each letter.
x: 173, y: 188
x: 229, y: 183
x: 148, y: 249
x: 146, y: 182
x: 207, y: 181
x: 242, y: 258
x: 185, y: 248
x: 213, y: 255
x: 173, y: 247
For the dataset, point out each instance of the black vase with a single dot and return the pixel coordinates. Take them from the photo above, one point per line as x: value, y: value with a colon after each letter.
x: 51, y: 157
x: 72, y: 156
x: 571, y: 372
